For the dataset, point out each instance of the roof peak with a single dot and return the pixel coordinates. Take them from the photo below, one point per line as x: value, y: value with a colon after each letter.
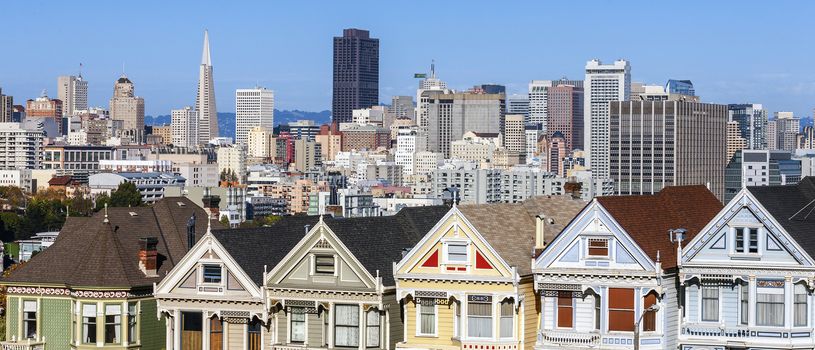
x: 205, y: 57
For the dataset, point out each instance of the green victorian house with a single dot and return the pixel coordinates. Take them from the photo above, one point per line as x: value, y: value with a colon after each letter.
x: 93, y: 288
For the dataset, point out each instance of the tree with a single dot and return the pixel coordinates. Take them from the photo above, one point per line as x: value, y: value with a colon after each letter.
x: 228, y: 175
x: 101, y: 200
x: 224, y: 221
x: 126, y: 195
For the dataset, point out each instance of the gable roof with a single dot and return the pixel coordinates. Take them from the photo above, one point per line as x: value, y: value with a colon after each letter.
x: 377, y: 242
x: 107, y: 253
x: 793, y: 207
x: 647, y: 218
x: 510, y: 228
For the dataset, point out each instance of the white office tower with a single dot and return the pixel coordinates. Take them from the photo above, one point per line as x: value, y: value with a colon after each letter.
x: 73, y: 92
x: 427, y: 88
x: 604, y: 83
x: 538, y: 93
x: 21, y: 144
x: 205, y: 99
x: 184, y: 127
x: 408, y: 143
x: 253, y: 107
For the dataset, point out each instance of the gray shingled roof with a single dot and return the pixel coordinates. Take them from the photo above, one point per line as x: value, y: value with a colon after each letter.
x: 376, y: 242
x: 510, y: 228
x: 793, y: 206
x: 91, y: 253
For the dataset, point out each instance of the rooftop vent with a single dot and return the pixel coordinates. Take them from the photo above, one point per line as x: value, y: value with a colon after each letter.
x: 181, y: 204
x: 133, y: 213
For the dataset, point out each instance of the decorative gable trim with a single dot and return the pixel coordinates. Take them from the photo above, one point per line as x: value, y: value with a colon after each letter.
x: 744, y: 199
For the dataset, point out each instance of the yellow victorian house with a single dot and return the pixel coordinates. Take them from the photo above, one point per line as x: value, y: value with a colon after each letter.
x: 468, y: 283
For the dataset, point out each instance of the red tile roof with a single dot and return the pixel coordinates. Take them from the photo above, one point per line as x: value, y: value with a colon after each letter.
x: 648, y: 218
x: 59, y: 181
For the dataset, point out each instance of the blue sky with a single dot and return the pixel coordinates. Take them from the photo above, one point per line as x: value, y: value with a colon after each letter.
x: 734, y: 51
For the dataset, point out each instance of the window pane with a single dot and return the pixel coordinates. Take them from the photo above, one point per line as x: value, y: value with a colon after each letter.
x: 427, y: 319
x: 89, y: 323
x: 346, y: 325
x: 372, y: 321
x: 457, y: 252
x: 324, y: 265
x: 770, y: 309
x: 710, y: 304
x: 800, y: 308
x: 212, y: 274
x: 113, y: 323
x: 745, y: 303
x: 621, y: 309
x: 479, y: 320
x: 298, y: 324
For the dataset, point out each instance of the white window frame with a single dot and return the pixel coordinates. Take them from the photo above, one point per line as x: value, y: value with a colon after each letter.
x: 291, y: 328
x: 719, y: 304
x: 419, y: 322
x: 446, y: 251
x: 492, y: 322
x: 204, y: 265
x: 761, y: 234
x: 608, y: 255
x: 806, y: 309
x: 36, y: 319
x: 512, y: 317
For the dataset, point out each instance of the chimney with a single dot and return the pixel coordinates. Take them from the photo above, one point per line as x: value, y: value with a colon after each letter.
x: 540, y: 233
x: 148, y: 256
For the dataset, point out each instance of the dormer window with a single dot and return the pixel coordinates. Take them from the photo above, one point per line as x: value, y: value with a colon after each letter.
x: 212, y: 274
x: 598, y: 247
x: 457, y: 253
x: 324, y: 265
x: 746, y: 240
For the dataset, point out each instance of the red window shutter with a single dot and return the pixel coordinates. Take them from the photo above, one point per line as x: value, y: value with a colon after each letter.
x: 621, y: 309
x: 433, y: 260
x: 564, y: 310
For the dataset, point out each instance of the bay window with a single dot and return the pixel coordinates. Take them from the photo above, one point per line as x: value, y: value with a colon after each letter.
x: 30, y: 319
x: 346, y: 325
x: 564, y: 309
x: 113, y: 323
x: 298, y: 324
x: 770, y: 303
x: 427, y: 319
x: 372, y: 325
x: 800, y: 305
x: 132, y: 313
x: 507, y: 318
x: 710, y: 304
x: 621, y: 309
x: 89, y: 323
x: 479, y: 316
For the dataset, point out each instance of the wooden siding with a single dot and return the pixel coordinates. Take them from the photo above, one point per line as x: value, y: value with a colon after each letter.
x: 444, y: 331
x: 314, y: 331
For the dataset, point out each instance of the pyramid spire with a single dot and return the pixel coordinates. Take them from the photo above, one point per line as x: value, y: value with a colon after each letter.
x: 205, y: 59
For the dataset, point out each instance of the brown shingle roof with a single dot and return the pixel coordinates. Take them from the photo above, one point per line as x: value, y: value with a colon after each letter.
x: 510, y: 228
x: 648, y: 218
x: 91, y: 253
x: 59, y: 181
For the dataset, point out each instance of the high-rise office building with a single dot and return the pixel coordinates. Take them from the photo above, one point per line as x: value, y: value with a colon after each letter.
x: 654, y: 144
x: 451, y: 115
x: 428, y: 87
x: 184, y: 125
x: 50, y: 110
x: 565, y: 114
x: 518, y: 104
x: 680, y: 87
x: 760, y: 168
x: 734, y: 140
x: 513, y: 134
x: 73, y: 92
x: 782, y: 132
x: 752, y: 120
x: 806, y: 139
x: 126, y: 106
x: 356, y: 73
x: 6, y: 108
x: 492, y: 89
x: 21, y: 144
x: 604, y: 83
x: 207, y: 112
x: 253, y: 107
x: 538, y: 92
x: 402, y: 107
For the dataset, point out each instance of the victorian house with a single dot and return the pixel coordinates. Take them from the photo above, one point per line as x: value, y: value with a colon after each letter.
x: 747, y: 278
x: 468, y: 283
x: 313, y: 282
x: 610, y: 276
x: 93, y: 288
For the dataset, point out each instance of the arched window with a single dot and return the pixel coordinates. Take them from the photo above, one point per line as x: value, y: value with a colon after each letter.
x: 649, y: 320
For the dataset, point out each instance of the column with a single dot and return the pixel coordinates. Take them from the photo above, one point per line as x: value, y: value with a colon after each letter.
x: 788, y: 302
x: 331, y: 325
x: 100, y: 324
x: 177, y: 328
x: 362, y: 327
x: 204, y: 331
x: 496, y: 313
x: 125, y: 325
x: 170, y: 335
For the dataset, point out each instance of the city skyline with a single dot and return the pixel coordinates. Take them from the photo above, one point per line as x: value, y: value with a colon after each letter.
x: 773, y: 74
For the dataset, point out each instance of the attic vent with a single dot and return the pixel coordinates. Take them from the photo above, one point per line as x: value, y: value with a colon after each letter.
x: 181, y: 204
x: 133, y: 213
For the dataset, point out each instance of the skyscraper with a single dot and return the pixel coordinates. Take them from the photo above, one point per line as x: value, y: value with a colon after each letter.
x: 604, y: 83
x: 752, y: 120
x: 356, y: 73
x: 428, y: 87
x: 451, y: 115
x: 205, y: 99
x: 513, y: 134
x: 73, y: 92
x: 782, y: 132
x: 126, y: 106
x: 253, y: 107
x: 538, y: 91
x: 518, y: 104
x: 6, y: 107
x: 654, y: 144
x: 565, y: 114
x: 50, y: 110
x: 680, y: 87
x: 184, y: 125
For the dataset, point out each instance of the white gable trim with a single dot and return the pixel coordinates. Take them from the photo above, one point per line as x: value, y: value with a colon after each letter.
x: 301, y: 250
x: 453, y: 211
x: 594, y: 210
x: 744, y: 198
x: 190, y: 262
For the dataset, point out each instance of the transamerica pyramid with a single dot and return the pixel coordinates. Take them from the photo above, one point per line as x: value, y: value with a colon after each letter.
x: 205, y: 99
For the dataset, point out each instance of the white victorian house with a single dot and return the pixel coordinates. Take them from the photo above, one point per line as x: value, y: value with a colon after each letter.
x: 747, y: 278
x: 612, y: 271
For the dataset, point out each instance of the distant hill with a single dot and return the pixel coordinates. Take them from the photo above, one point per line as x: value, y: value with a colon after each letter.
x: 226, y: 121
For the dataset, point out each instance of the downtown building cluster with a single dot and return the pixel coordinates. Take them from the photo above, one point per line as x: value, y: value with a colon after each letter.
x: 582, y: 213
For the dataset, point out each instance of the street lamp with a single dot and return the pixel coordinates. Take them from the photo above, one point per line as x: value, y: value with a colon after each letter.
x: 651, y: 308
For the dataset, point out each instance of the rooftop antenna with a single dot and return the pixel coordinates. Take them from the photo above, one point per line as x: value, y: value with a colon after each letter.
x: 80, y: 69
x: 802, y: 209
x: 433, y: 69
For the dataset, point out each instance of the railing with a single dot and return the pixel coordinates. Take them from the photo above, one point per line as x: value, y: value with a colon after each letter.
x: 489, y: 345
x: 568, y: 338
x: 716, y: 331
x: 27, y: 344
